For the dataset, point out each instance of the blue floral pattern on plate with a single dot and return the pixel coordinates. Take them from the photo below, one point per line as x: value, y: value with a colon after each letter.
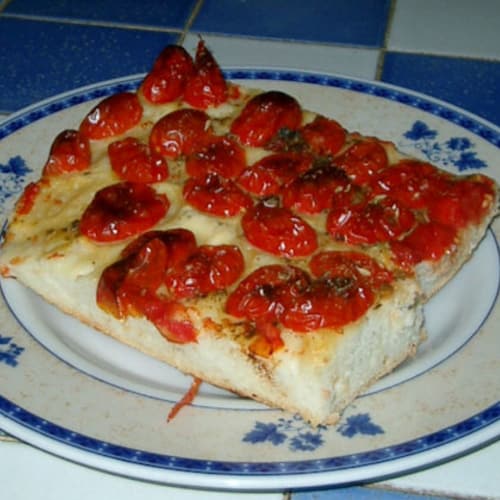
x: 9, y: 351
x: 12, y: 179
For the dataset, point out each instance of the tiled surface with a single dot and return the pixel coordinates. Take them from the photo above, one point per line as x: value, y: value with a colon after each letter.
x: 448, y: 49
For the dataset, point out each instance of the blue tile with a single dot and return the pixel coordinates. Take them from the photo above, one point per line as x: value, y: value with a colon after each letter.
x: 356, y: 22
x: 167, y: 14
x: 468, y: 83
x: 51, y: 58
x: 360, y: 493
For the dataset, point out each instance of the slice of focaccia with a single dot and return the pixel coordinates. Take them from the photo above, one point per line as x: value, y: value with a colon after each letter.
x: 242, y: 239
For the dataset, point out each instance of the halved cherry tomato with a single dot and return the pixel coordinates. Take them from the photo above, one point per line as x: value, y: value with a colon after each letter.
x: 279, y: 231
x: 264, y: 115
x: 369, y: 223
x: 206, y: 86
x: 70, y: 152
x: 313, y: 191
x: 267, y: 176
x: 222, y: 156
x: 167, y: 79
x: 28, y: 197
x: 340, y: 265
x: 112, y: 116
x: 122, y: 210
x: 362, y: 160
x: 259, y: 297
x: 206, y: 270
x: 181, y: 132
x: 324, y: 136
x: 132, y: 161
x: 429, y: 241
x: 215, y: 195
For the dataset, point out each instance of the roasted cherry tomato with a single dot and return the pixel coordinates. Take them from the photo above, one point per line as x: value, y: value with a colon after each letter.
x: 259, y: 297
x: 267, y: 176
x: 122, y: 210
x: 279, y: 231
x: 167, y: 79
x: 132, y: 161
x: 206, y: 270
x: 411, y: 182
x: 112, y: 116
x: 264, y: 115
x: 206, y: 86
x: 313, y: 191
x: 179, y: 133
x: 28, y: 197
x: 362, y: 160
x: 215, y: 195
x: 339, y: 265
x: 370, y: 223
x: 462, y: 201
x: 70, y: 152
x: 222, y: 156
x: 429, y: 241
x: 324, y: 136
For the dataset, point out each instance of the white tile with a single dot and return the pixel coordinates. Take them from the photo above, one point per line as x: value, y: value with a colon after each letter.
x: 472, y: 476
x: 234, y: 52
x: 28, y: 473
x: 448, y: 27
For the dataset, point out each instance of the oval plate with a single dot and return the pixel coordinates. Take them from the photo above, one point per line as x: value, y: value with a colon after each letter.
x: 73, y: 392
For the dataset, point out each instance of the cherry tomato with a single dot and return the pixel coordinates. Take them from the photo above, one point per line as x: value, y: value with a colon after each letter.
x: 215, y: 195
x: 208, y: 269
x: 341, y: 265
x: 112, y: 116
x: 429, y: 241
x: 267, y: 340
x: 122, y: 210
x: 264, y: 115
x: 107, y: 288
x: 369, y: 223
x: 206, y: 86
x: 167, y: 79
x: 279, y: 231
x: 222, y: 156
x: 267, y: 176
x: 462, y: 201
x: 362, y: 160
x: 132, y: 161
x: 259, y: 297
x: 28, y: 198
x: 324, y: 136
x: 313, y: 191
x: 180, y: 133
x: 70, y: 152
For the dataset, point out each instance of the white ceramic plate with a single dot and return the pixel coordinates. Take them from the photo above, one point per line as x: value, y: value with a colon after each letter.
x: 80, y: 395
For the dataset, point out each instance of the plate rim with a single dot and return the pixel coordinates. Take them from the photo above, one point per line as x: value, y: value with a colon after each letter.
x: 255, y: 476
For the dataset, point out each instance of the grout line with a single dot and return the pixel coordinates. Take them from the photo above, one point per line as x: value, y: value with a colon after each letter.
x: 89, y: 22
x: 190, y: 21
x: 383, y: 50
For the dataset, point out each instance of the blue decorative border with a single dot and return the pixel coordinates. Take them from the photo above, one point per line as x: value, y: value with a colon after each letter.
x: 460, y: 430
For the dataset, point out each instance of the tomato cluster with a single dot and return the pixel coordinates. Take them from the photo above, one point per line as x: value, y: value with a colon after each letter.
x: 158, y: 270
x: 306, y: 169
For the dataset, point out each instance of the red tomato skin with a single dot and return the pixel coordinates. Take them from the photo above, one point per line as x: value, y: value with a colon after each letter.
x: 28, y: 198
x: 313, y: 191
x: 279, y: 231
x: 206, y: 86
x: 428, y: 242
x: 264, y: 115
x: 221, y: 155
x: 180, y: 133
x: 167, y: 79
x: 215, y: 195
x: 324, y: 136
x: 113, y: 116
x: 122, y: 210
x: 132, y: 161
x: 362, y: 161
x: 70, y: 152
x: 206, y: 270
x: 269, y: 175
